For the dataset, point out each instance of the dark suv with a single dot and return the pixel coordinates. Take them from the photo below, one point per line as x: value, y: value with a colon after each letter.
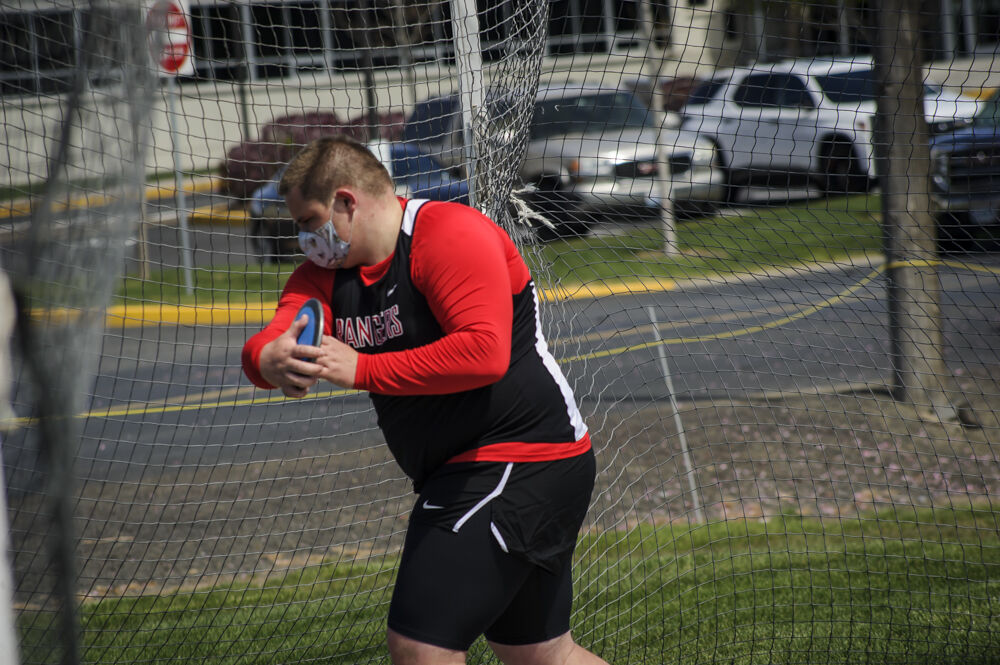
x: 965, y: 177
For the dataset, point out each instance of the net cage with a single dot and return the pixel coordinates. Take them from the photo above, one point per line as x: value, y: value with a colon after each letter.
x: 763, y: 234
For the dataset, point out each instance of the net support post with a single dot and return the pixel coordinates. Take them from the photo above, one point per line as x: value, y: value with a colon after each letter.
x: 173, y: 92
x: 699, y: 513
x: 469, y: 61
x: 664, y: 194
x: 8, y: 639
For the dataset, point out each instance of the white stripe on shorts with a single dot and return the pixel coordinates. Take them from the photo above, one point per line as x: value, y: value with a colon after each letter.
x: 486, y: 499
x: 496, y: 534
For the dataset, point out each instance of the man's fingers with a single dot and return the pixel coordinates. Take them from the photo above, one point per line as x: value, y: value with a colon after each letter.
x: 292, y: 391
x: 298, y: 325
x: 299, y: 378
x: 305, y: 368
x: 306, y: 351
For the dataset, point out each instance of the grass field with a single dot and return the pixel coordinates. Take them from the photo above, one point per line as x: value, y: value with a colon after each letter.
x: 753, y: 239
x: 902, y: 586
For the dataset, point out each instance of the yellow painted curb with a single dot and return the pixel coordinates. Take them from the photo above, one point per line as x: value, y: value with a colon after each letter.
x: 135, y: 316
x: 24, y: 206
x: 602, y: 289
x: 198, y: 186
x: 218, y: 214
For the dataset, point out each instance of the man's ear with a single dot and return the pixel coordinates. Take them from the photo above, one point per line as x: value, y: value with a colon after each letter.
x: 345, y: 196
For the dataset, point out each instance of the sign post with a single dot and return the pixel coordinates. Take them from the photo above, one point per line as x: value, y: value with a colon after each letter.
x: 168, y: 27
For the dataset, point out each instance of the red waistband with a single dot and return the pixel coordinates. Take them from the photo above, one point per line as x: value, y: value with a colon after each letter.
x: 520, y: 451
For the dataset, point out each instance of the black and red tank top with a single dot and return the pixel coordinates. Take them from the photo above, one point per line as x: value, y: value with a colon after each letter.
x: 530, y: 414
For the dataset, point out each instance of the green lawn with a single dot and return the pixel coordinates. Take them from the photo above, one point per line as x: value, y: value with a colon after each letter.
x: 752, y: 240
x: 899, y: 587
x: 223, y: 284
x: 756, y: 239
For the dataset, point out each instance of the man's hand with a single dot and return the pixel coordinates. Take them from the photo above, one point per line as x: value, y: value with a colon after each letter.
x: 280, y: 365
x: 339, y: 362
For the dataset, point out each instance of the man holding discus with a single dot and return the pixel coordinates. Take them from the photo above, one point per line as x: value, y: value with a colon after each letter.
x: 430, y: 308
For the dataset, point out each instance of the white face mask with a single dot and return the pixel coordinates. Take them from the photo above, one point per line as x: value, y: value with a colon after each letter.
x: 324, y: 247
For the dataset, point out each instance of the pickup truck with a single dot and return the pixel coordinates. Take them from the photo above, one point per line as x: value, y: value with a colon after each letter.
x: 965, y: 179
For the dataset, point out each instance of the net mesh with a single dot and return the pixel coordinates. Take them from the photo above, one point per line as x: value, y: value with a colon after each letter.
x: 764, y: 235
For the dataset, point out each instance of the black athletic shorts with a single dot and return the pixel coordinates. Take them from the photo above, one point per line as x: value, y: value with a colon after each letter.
x: 488, y: 551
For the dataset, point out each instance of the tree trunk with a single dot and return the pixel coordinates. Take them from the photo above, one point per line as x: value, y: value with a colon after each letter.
x: 903, y: 164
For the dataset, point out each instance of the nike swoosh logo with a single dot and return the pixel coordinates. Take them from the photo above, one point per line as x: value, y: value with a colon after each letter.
x: 431, y: 506
x: 392, y: 289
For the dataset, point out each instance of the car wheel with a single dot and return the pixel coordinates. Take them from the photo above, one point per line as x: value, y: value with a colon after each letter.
x: 955, y: 233
x: 734, y: 187
x: 560, y: 207
x: 842, y: 172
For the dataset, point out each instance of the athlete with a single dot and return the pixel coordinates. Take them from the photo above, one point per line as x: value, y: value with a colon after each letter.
x: 430, y: 308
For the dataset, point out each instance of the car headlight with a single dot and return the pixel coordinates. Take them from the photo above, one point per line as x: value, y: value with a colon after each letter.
x: 942, y: 126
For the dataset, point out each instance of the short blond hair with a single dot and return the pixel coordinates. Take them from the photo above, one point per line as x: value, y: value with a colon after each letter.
x: 332, y: 162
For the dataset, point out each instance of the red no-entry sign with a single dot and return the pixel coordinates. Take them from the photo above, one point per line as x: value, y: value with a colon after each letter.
x: 169, y: 27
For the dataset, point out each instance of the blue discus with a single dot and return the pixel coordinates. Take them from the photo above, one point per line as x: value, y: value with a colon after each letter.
x: 312, y: 334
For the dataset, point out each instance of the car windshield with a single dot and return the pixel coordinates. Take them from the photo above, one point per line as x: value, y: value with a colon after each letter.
x: 848, y: 87
x: 598, y: 112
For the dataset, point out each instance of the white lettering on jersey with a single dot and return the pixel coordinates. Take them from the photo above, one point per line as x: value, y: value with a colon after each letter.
x: 372, y: 330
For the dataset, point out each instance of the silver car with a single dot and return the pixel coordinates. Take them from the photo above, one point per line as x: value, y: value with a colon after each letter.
x: 591, y: 153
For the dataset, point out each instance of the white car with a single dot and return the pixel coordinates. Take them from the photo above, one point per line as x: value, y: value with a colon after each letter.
x: 802, y: 120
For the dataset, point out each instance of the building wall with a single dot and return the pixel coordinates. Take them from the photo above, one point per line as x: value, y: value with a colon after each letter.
x: 209, y: 115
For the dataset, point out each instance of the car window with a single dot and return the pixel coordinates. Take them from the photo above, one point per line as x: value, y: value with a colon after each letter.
x: 774, y: 91
x: 848, y: 87
x: 704, y: 92
x: 756, y: 90
x: 598, y: 112
x: 989, y: 112
x: 794, y: 93
x: 430, y: 119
